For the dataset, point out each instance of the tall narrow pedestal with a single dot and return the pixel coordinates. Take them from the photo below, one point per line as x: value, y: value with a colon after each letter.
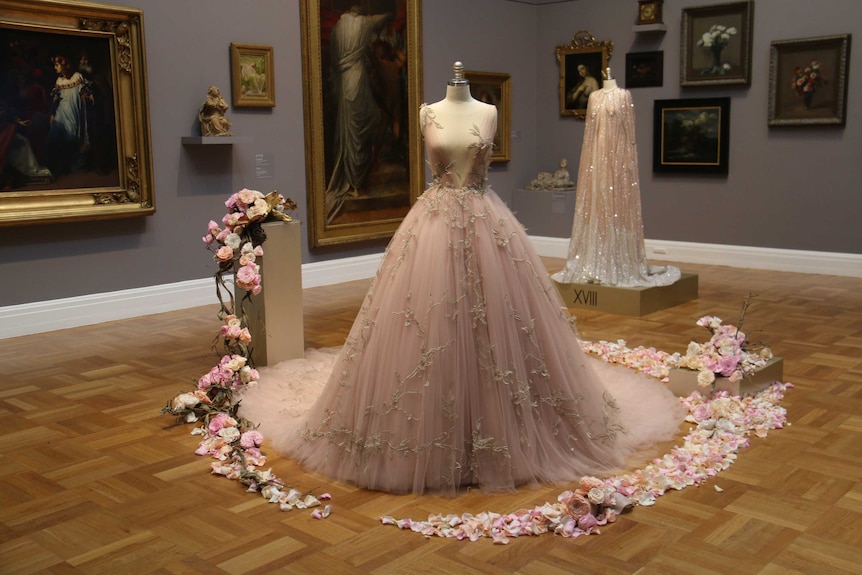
x: 275, y: 314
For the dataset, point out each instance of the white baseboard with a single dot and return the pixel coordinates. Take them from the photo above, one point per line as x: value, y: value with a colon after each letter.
x: 38, y: 317
x: 42, y: 316
x: 826, y: 263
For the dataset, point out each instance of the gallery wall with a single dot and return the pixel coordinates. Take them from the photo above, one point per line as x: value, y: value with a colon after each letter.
x: 788, y: 187
x: 792, y: 188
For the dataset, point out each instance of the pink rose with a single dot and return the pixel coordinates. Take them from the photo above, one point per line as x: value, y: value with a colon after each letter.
x: 251, y: 438
x: 727, y: 365
x: 577, y: 506
x: 247, y: 277
x: 247, y: 196
x: 588, y: 482
x: 224, y: 254
x: 587, y: 522
x: 219, y: 422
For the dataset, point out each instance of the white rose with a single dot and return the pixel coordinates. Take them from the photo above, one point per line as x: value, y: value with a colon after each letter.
x: 705, y: 378
x: 233, y: 240
x: 184, y: 401
x: 229, y: 434
x: 596, y: 496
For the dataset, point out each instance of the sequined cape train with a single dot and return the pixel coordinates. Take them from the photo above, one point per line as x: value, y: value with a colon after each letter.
x: 607, y: 241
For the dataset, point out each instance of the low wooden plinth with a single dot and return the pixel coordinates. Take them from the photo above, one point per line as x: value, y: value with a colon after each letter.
x: 635, y: 301
x: 682, y: 382
x: 275, y: 314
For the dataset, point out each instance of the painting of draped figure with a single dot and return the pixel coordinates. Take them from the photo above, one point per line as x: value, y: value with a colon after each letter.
x: 362, y: 81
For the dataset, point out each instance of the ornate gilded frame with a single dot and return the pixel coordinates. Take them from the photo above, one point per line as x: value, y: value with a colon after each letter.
x: 398, y: 172
x: 495, y: 88
x: 583, y: 50
x: 242, y: 95
x: 119, y: 183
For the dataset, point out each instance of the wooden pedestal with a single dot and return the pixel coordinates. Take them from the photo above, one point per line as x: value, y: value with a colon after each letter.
x: 635, y: 301
x: 275, y: 314
x: 682, y: 382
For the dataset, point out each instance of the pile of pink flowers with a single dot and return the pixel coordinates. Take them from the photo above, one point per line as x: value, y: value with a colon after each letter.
x: 727, y: 353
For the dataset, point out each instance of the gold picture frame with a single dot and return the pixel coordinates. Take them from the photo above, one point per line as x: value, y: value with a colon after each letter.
x: 89, y: 62
x: 361, y: 191
x: 582, y: 65
x: 496, y: 89
x: 252, y: 76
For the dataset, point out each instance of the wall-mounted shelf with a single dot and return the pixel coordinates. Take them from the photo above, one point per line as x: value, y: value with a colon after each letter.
x: 214, y: 140
x: 660, y: 27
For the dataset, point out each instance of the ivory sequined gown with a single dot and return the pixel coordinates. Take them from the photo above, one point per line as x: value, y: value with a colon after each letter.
x: 462, y: 367
x: 607, y: 243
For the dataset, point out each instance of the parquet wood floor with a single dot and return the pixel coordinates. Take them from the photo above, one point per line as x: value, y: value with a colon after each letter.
x: 95, y: 480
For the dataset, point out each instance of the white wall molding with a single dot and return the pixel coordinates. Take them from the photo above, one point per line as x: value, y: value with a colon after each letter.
x: 38, y: 317
x: 800, y: 261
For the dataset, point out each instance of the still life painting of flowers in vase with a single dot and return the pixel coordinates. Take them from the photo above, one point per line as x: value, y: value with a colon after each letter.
x: 806, y: 81
x: 715, y: 40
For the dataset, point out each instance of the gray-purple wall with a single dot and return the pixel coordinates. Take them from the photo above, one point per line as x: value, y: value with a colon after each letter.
x: 792, y: 188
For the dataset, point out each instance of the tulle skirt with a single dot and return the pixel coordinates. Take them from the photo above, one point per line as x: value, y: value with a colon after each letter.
x: 462, y: 368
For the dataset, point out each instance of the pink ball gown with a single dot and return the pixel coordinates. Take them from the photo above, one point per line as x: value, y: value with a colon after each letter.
x: 463, y: 367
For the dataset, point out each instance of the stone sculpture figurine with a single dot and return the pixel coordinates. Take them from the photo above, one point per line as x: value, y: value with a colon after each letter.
x: 211, y: 115
x: 559, y: 180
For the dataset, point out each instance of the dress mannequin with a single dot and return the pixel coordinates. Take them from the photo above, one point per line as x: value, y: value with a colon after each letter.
x: 462, y: 367
x: 459, y: 108
x: 607, y: 243
x: 610, y: 83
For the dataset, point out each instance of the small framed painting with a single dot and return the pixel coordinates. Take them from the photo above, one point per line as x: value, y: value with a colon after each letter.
x: 715, y: 45
x: 644, y: 69
x: 252, y: 76
x: 582, y: 63
x: 808, y: 81
x: 691, y: 135
x: 495, y: 89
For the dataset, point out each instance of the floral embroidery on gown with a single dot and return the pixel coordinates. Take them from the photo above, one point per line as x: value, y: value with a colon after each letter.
x: 463, y: 367
x: 607, y: 242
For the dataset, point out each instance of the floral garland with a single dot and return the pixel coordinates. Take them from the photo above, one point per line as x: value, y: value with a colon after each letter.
x: 724, y: 424
x: 232, y: 441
